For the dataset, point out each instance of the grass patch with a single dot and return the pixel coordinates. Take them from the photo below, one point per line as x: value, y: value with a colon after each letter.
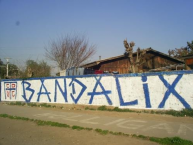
x: 102, y: 108
x: 182, y: 113
x: 50, y: 123
x: 32, y: 104
x: 163, y: 141
x: 103, y: 132
x: 88, y: 108
x: 46, y: 105
x: 171, y: 141
x: 78, y: 127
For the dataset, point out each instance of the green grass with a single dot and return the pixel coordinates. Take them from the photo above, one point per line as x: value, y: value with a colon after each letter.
x: 100, y: 131
x: 163, y: 141
x: 46, y: 105
x: 182, y: 113
x: 171, y: 141
x: 77, y: 127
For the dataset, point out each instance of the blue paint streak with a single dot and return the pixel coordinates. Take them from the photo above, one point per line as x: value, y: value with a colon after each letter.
x: 146, y: 92
x: 27, y: 89
x: 40, y: 92
x: 99, y: 93
x: 64, y: 93
x: 73, y: 89
x: 171, y: 89
x: 93, y: 93
x: 122, y: 103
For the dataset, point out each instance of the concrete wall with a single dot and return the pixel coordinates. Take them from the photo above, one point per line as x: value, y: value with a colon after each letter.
x: 166, y: 90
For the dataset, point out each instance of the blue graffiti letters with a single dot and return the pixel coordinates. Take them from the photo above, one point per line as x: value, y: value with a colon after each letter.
x: 146, y: 92
x: 74, y: 91
x: 27, y: 89
x: 99, y: 93
x: 43, y: 93
x: 171, y: 89
x: 64, y: 93
x: 122, y: 103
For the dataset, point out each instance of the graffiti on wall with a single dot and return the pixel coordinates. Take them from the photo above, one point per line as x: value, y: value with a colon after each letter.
x: 60, y: 89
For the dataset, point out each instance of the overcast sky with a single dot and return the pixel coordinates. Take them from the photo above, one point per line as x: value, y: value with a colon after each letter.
x: 27, y: 26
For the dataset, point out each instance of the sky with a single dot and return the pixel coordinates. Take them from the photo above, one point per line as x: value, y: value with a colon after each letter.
x: 28, y: 26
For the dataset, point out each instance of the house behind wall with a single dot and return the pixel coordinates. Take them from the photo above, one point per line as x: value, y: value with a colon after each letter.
x: 188, y: 59
x: 153, y: 59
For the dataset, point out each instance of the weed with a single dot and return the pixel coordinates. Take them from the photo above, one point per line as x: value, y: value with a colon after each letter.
x: 19, y: 103
x: 171, y: 141
x: 103, y: 132
x: 89, y: 129
x: 45, y: 105
x: 182, y: 113
x: 87, y: 108
x: 77, y: 127
x: 32, y: 104
x: 102, y: 108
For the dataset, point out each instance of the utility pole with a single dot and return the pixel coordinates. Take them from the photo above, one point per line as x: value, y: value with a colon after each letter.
x: 7, y: 59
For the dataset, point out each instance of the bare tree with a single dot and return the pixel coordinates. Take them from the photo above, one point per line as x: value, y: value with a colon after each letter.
x: 70, y: 51
x: 139, y: 60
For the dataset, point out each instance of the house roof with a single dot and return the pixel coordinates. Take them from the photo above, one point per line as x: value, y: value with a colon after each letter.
x: 94, y: 63
x: 188, y: 56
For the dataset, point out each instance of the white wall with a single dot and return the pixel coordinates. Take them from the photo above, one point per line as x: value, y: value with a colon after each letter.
x: 169, y: 90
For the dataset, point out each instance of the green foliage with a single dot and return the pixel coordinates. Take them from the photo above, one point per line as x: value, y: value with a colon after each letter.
x: 190, y: 47
x: 36, y: 69
x: 103, y: 132
x: 179, y: 52
x: 171, y: 141
x: 2, y: 69
x: 182, y: 113
x: 13, y: 70
x: 32, y: 104
x: 122, y: 110
x: 78, y: 127
x: 50, y: 123
x: 102, y: 108
x: 20, y: 103
x: 46, y: 105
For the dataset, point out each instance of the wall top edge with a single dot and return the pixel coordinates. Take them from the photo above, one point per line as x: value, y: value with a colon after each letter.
x: 107, y: 75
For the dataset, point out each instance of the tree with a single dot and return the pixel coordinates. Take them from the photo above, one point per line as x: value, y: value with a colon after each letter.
x: 35, y: 69
x: 70, y: 51
x: 140, y: 58
x: 179, y: 52
x: 2, y: 69
x: 190, y: 47
x: 12, y: 70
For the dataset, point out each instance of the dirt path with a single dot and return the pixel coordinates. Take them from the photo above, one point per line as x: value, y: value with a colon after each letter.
x: 17, y: 132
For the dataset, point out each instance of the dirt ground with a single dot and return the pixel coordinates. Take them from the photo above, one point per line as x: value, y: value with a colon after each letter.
x: 18, y: 132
